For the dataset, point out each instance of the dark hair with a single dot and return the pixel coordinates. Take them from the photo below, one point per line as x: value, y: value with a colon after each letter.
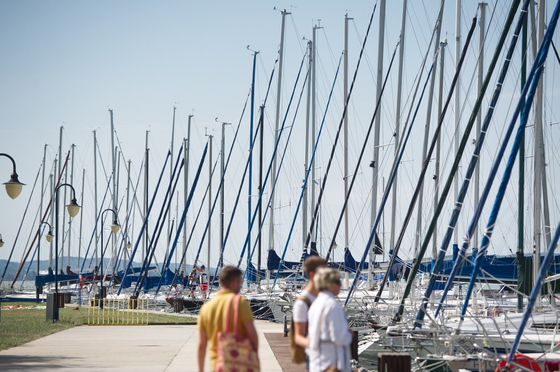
x: 312, y: 263
x: 228, y: 274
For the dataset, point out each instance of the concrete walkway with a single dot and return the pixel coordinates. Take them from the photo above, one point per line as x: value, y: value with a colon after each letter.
x: 154, y: 348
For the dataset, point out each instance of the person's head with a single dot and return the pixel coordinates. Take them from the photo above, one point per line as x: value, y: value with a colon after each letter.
x: 202, y: 267
x: 327, y: 279
x: 312, y: 263
x: 231, y: 278
x: 174, y: 285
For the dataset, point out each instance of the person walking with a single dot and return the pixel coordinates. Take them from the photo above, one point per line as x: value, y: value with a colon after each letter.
x: 304, y: 301
x: 193, y: 282
x: 203, y: 278
x: 329, y: 335
x: 212, y: 316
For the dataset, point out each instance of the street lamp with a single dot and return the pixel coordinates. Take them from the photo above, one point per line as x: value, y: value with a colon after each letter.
x: 115, y: 227
x: 13, y: 186
x: 49, y: 237
x: 73, y: 209
x: 1, y: 241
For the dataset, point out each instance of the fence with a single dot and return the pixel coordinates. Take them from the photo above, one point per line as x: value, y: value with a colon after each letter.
x: 131, y: 311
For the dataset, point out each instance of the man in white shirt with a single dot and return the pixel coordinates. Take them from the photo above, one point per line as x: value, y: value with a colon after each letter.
x: 299, y: 312
x: 203, y: 278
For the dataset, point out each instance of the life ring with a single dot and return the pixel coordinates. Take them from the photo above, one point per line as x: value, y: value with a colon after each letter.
x: 81, y: 281
x: 523, y: 360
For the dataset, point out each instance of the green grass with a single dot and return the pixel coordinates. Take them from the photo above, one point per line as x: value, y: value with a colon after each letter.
x: 19, y: 326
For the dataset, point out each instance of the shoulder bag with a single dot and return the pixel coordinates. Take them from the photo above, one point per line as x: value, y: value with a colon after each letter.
x: 235, y: 353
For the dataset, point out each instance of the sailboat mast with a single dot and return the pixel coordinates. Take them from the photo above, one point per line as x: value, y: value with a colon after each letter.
x: 95, y: 193
x: 209, y: 197
x: 51, y: 181
x: 305, y: 202
x: 41, y: 214
x: 481, y: 36
x: 346, y: 230
x: 70, y: 220
x: 187, y: 147
x: 538, y: 150
x: 521, y: 262
x: 146, y: 178
x: 457, y: 102
x: 276, y: 128
x: 314, y: 124
x: 250, y: 183
x: 170, y: 180
x: 375, y: 163
x: 222, y: 189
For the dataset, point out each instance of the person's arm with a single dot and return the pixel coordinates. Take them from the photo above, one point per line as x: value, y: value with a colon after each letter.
x: 252, y: 334
x: 202, y: 341
x: 299, y: 334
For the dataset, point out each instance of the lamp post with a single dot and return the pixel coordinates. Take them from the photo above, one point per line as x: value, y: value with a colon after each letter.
x: 73, y: 209
x: 115, y: 227
x: 13, y: 187
x: 49, y: 237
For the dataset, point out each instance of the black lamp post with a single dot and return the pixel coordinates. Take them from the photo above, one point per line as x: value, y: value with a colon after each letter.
x: 49, y: 237
x: 73, y: 209
x: 115, y: 227
x: 13, y: 186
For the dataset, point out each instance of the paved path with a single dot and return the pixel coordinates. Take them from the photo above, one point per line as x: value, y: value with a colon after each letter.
x: 154, y: 348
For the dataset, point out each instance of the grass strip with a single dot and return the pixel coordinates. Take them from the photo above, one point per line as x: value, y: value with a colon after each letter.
x: 22, y: 322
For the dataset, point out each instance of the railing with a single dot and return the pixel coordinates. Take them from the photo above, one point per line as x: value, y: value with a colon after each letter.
x: 130, y: 311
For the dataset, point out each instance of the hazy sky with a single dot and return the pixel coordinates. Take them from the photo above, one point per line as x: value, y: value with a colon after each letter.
x: 66, y: 63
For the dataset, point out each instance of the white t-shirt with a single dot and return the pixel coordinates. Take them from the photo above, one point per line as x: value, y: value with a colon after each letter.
x: 299, y: 312
x: 203, y: 277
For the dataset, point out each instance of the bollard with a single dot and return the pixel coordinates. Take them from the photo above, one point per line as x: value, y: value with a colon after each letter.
x: 285, y: 326
x: 354, y: 345
x: 393, y: 362
x: 178, y: 305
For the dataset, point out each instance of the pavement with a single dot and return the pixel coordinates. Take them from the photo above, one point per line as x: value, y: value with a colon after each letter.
x: 152, y: 348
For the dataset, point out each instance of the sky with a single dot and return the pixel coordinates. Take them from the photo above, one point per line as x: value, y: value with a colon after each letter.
x: 67, y: 63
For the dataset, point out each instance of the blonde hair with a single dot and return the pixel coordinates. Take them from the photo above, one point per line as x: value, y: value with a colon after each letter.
x: 325, y: 276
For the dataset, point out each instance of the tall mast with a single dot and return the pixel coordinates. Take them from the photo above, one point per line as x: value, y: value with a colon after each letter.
x: 209, y: 196
x: 375, y: 163
x: 60, y: 254
x: 481, y: 36
x: 114, y: 160
x: 70, y: 220
x: 305, y: 202
x: 81, y: 221
x: 127, y: 227
x: 314, y: 124
x: 41, y: 214
x: 170, y: 180
x: 222, y: 189
x: 277, y: 127
x: 251, y: 125
x: 442, y: 46
x: 346, y: 231
x: 521, y: 262
x: 186, y: 147
x: 51, y: 182
x: 538, y: 160
x: 457, y: 102
x: 260, y: 188
x: 425, y: 145
x: 146, y: 179
x: 95, y: 193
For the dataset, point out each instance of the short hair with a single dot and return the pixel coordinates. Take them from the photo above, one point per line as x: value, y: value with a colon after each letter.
x: 325, y: 276
x: 228, y: 274
x: 312, y: 263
